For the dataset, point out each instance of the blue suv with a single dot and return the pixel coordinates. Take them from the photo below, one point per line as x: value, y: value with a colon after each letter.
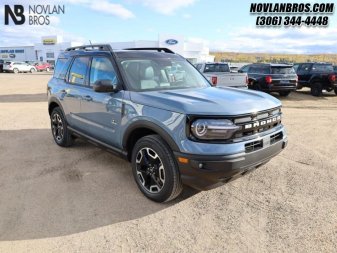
x: 173, y: 126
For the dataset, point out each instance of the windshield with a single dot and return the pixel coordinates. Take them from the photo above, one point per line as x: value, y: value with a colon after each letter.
x: 283, y: 70
x: 161, y: 74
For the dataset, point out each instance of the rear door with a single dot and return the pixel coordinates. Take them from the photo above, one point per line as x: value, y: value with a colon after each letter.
x: 76, y: 83
x: 324, y: 70
x: 101, y: 112
x: 303, y: 73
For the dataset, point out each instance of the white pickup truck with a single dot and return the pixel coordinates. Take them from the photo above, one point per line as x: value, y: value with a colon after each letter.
x: 219, y: 75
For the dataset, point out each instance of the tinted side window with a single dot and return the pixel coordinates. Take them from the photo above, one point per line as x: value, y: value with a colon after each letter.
x: 102, y: 69
x: 305, y: 67
x: 78, y: 70
x: 61, y: 68
x: 216, y: 68
x: 322, y: 68
x: 296, y: 67
x: 283, y: 70
x: 244, y: 69
x: 259, y: 70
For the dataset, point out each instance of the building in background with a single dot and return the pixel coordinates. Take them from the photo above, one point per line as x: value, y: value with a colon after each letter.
x: 50, y: 47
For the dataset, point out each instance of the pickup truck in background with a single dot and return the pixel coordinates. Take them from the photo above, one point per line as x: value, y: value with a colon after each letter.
x: 269, y: 77
x: 219, y: 75
x: 318, y: 76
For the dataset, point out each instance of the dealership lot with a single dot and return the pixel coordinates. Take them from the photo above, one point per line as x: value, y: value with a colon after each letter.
x: 47, y: 191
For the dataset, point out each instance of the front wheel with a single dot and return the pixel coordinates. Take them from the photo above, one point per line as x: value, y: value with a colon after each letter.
x: 15, y: 71
x: 32, y: 70
x: 155, y: 169
x: 59, y: 128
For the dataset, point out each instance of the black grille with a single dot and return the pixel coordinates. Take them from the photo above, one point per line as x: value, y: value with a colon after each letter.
x: 253, y: 146
x: 257, y: 123
x: 276, y: 137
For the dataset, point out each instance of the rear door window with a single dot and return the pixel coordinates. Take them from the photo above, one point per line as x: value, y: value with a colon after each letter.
x: 305, y: 67
x: 61, y: 68
x: 216, y: 68
x: 259, y: 70
x: 244, y: 69
x: 283, y: 70
x: 78, y: 70
x: 322, y: 68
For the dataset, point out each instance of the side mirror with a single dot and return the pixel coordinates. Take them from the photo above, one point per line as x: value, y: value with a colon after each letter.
x: 104, y: 86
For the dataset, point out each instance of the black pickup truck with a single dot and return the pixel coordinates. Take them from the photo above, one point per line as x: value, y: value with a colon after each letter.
x: 268, y: 77
x: 317, y: 76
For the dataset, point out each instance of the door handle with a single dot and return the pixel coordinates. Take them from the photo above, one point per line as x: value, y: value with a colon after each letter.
x: 87, y: 98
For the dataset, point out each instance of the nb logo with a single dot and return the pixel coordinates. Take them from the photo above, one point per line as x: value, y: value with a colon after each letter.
x: 17, y: 15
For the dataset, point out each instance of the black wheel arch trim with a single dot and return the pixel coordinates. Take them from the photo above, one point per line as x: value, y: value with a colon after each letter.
x: 54, y: 100
x: 150, y: 126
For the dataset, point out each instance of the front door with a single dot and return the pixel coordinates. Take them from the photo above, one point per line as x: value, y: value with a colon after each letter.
x: 101, y: 112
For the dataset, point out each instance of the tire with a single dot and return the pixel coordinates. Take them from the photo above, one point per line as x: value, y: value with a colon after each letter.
x: 32, y: 70
x: 284, y: 93
x: 59, y: 129
x: 15, y: 71
x: 155, y: 169
x: 299, y: 86
x: 336, y: 91
x: 316, y: 89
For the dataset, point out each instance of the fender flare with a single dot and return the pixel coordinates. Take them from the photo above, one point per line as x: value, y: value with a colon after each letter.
x: 151, y: 126
x: 56, y: 101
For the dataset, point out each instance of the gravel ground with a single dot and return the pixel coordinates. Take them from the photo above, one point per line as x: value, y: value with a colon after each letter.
x: 82, y: 199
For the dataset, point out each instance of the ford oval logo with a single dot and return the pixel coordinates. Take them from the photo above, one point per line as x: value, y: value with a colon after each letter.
x: 171, y: 42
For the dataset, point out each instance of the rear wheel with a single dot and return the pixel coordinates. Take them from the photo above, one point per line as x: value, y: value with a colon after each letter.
x: 316, y: 89
x: 15, y: 71
x: 59, y: 128
x: 284, y: 93
x: 155, y: 169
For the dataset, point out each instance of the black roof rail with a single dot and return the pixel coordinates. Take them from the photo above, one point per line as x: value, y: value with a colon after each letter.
x: 159, y: 49
x: 102, y: 47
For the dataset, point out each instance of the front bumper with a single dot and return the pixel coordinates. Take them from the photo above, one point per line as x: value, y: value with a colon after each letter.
x: 204, y: 172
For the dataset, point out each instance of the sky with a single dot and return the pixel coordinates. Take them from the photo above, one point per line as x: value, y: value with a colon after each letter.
x: 223, y: 25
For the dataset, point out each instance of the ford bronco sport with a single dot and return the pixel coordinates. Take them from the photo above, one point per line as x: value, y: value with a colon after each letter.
x: 173, y: 130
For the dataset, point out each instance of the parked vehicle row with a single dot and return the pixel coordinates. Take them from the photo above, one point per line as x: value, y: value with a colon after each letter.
x: 154, y: 109
x: 27, y: 66
x: 17, y: 67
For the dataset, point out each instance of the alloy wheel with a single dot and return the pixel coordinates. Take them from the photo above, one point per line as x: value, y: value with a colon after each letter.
x: 57, y: 127
x: 150, y: 170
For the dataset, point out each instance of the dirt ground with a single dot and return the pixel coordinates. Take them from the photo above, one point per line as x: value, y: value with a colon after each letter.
x: 82, y: 199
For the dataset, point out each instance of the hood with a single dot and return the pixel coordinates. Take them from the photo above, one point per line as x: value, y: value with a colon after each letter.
x: 207, y: 101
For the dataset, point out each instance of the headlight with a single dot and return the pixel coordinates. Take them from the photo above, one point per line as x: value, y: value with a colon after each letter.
x: 213, y: 129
